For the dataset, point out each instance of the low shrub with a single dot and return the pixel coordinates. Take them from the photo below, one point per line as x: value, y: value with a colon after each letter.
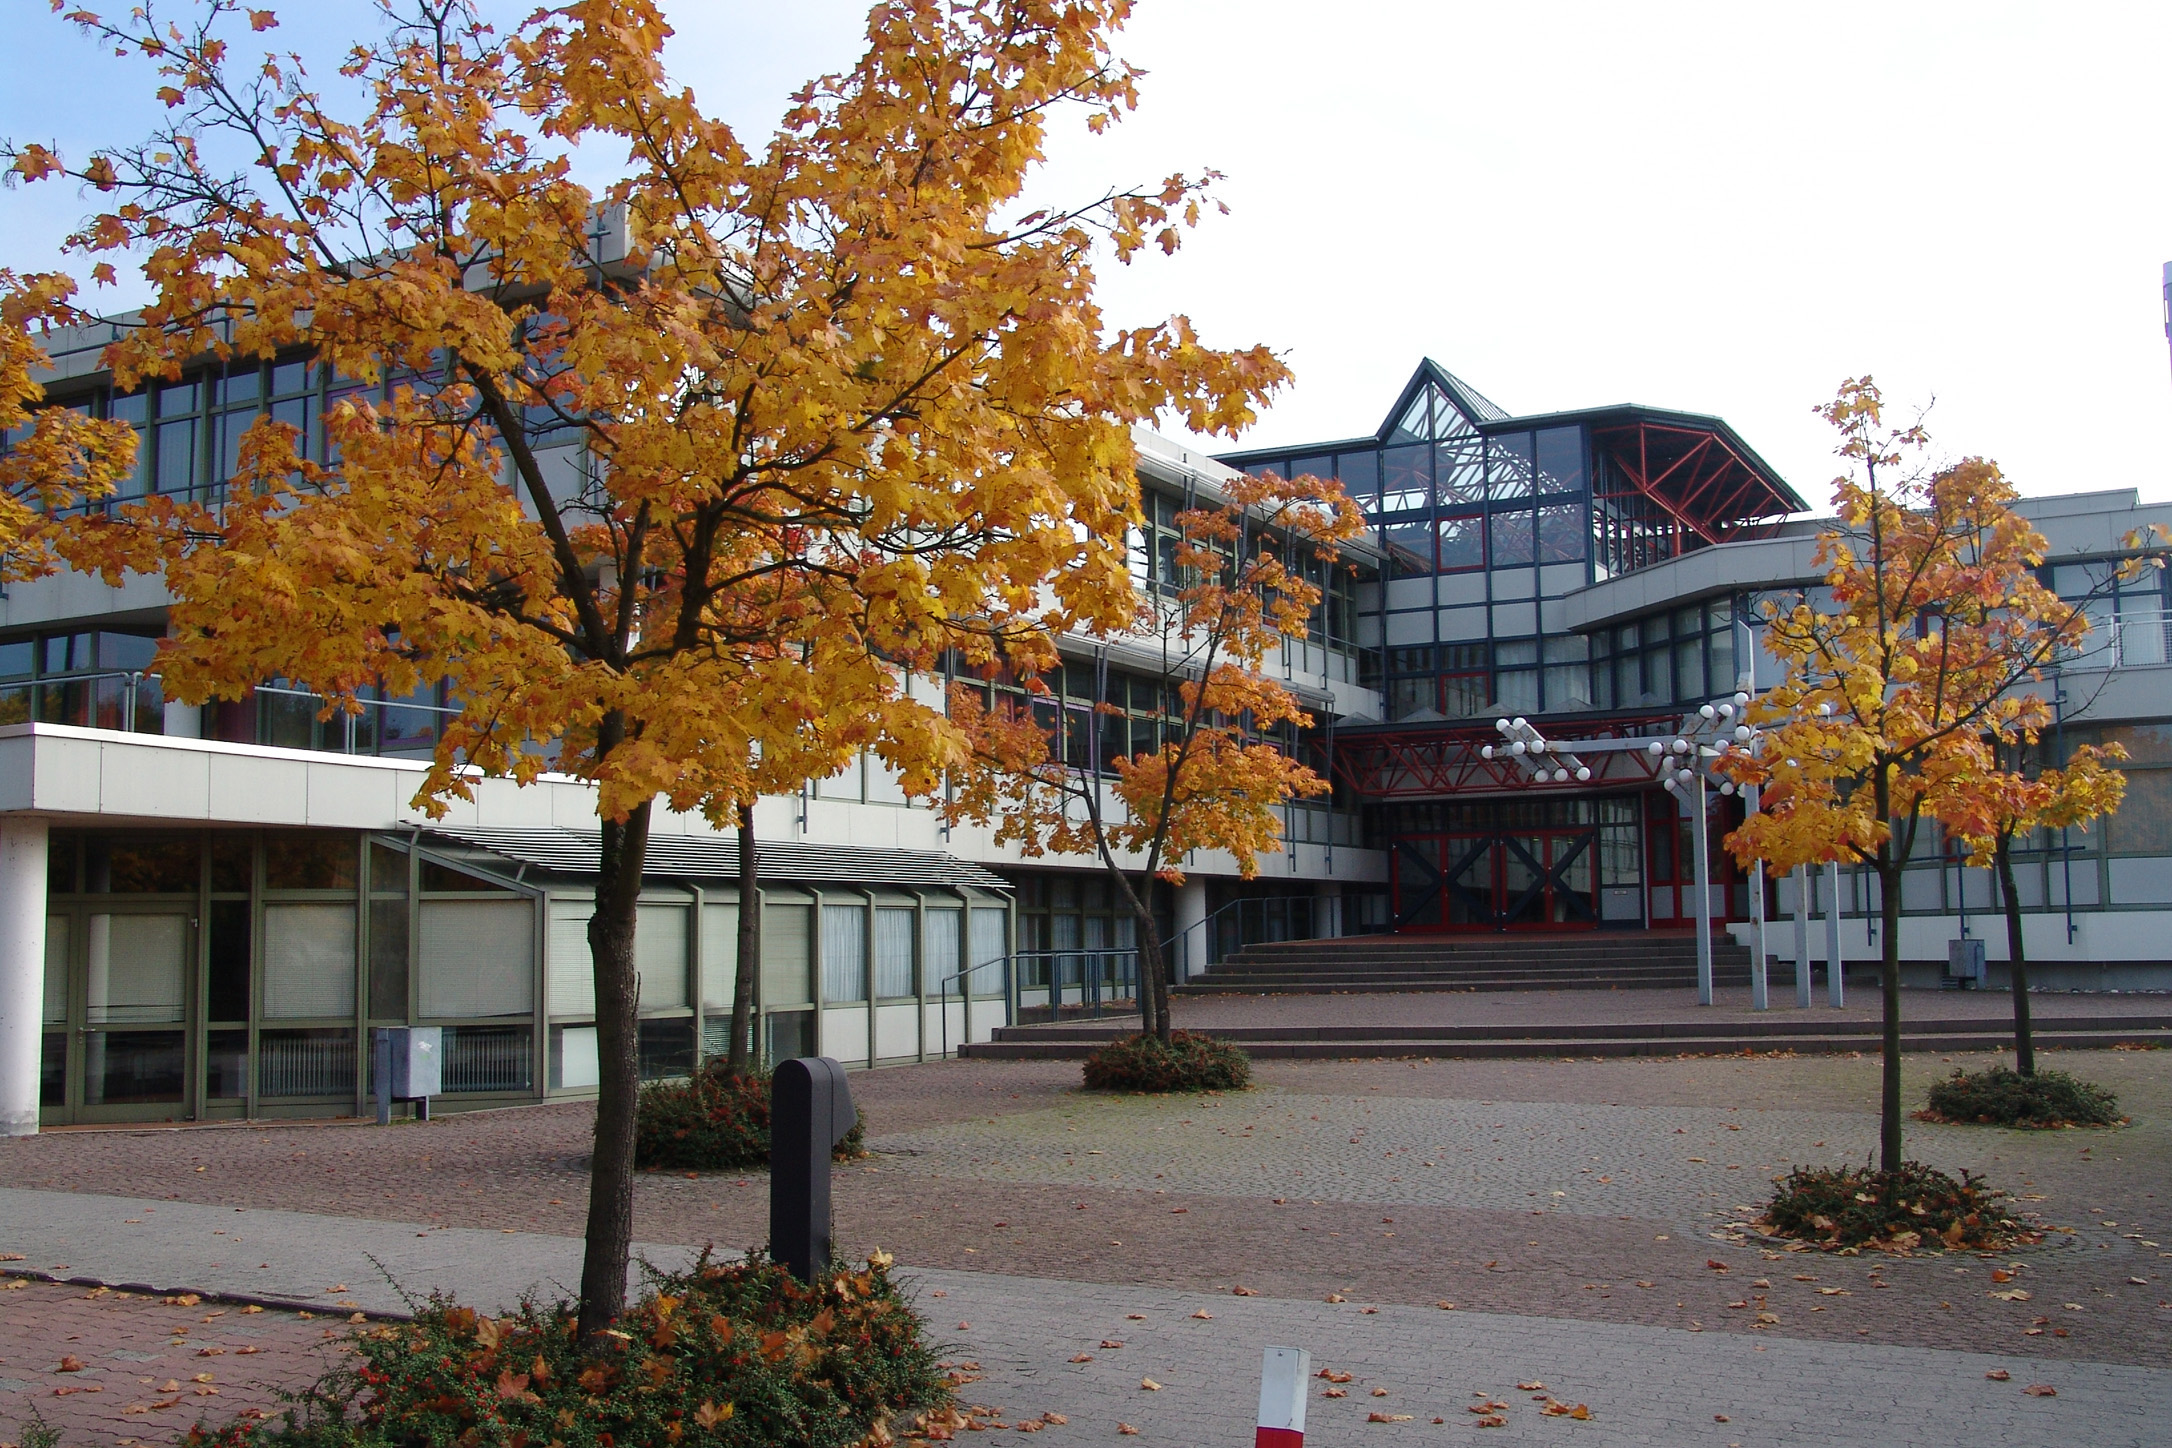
x: 2001, y: 1096
x: 715, y: 1120
x: 1192, y: 1061
x: 725, y: 1355
x: 1898, y: 1211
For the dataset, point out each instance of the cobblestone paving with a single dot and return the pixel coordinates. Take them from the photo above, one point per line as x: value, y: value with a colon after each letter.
x: 149, y: 1369
x: 989, y: 1210
x: 1681, y: 1164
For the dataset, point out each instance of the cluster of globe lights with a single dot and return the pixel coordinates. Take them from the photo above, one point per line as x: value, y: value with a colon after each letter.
x: 1734, y: 735
x: 1528, y: 749
x: 1728, y: 718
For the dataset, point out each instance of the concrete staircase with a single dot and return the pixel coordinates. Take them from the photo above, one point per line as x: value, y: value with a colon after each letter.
x: 1492, y: 961
x: 1806, y: 1033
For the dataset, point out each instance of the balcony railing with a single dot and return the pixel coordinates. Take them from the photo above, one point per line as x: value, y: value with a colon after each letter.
x: 2132, y: 640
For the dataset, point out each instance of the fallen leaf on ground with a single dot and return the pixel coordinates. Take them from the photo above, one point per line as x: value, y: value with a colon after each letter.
x: 1388, y: 1417
x: 1334, y: 1377
x: 1999, y: 1375
x: 1493, y: 1420
x: 1135, y: 1317
x: 1082, y: 1357
x: 2041, y: 1390
x: 1203, y: 1315
x: 1336, y: 1297
x: 1149, y: 1385
x: 70, y: 1364
x: 1127, y: 1430
x: 1242, y: 1292
x: 1110, y: 1342
x: 1335, y: 1393
x: 1380, y: 1392
x: 1534, y: 1386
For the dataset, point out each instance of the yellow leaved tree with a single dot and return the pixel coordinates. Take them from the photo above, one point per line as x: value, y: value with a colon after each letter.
x: 52, y: 459
x: 1898, y: 691
x: 1222, y: 760
x: 837, y: 405
x: 2023, y: 796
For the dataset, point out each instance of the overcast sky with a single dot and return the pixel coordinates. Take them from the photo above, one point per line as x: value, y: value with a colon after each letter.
x: 1721, y: 208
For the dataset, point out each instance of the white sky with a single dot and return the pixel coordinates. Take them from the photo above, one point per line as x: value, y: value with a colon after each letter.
x: 1721, y: 208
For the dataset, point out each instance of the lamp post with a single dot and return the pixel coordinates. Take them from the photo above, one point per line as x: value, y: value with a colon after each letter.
x: 1682, y: 761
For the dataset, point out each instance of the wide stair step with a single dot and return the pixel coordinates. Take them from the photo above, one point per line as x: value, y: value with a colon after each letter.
x: 1582, y: 960
x: 1668, y: 1038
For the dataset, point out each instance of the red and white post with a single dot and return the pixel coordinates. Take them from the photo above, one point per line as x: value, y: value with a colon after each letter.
x: 1283, y: 1376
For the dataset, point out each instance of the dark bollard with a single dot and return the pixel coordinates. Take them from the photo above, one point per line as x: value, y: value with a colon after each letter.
x: 810, y: 1110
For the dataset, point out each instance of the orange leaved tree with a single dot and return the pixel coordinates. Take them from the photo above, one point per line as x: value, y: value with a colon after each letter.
x: 673, y: 482
x: 2019, y: 798
x: 1223, y: 763
x: 1897, y: 689
x: 52, y: 459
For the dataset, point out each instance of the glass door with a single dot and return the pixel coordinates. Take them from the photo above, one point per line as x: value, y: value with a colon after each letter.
x: 126, y: 1057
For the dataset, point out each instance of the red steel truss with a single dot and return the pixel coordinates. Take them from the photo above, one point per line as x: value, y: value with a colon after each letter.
x: 1696, y: 477
x: 1429, y: 762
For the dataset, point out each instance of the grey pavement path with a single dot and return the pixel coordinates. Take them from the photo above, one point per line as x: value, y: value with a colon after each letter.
x: 1643, y: 1385
x: 296, y: 1257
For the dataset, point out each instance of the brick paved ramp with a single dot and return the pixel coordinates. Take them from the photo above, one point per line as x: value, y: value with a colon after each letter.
x: 1642, y: 1384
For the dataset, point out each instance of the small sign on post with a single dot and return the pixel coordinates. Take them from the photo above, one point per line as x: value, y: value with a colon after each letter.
x: 1283, y: 1373
x: 810, y: 1110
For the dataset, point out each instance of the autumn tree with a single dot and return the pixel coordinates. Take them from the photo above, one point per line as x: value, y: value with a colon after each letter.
x: 1897, y: 689
x: 1218, y: 779
x: 841, y: 404
x: 52, y: 459
x: 2020, y: 797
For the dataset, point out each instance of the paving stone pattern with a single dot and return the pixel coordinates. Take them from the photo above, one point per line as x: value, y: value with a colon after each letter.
x: 1682, y: 1164
x: 149, y: 1370
x: 1642, y: 1385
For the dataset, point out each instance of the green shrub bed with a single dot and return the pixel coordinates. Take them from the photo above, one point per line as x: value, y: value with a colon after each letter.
x: 1915, y: 1207
x: 725, y: 1355
x: 2002, y: 1096
x: 715, y: 1120
x: 1192, y: 1061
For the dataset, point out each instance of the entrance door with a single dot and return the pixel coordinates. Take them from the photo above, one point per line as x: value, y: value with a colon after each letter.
x: 123, y: 977
x: 1523, y: 879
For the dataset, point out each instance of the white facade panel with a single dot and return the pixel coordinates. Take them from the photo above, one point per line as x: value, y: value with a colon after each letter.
x: 844, y: 1034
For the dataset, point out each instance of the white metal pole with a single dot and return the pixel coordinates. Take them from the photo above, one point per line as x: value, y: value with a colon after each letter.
x: 1836, y: 984
x: 1802, y: 937
x: 1758, y: 984
x: 1704, y: 892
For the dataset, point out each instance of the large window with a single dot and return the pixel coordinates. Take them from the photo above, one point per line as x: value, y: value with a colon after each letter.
x: 1683, y: 656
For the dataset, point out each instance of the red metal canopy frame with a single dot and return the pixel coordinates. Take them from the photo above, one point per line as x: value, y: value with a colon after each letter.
x: 1429, y: 762
x: 1696, y: 476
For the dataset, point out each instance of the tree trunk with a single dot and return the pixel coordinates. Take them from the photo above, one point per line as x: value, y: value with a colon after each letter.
x: 610, y: 1174
x: 1889, y: 1106
x: 2016, y: 956
x: 1153, y: 974
x: 746, y: 980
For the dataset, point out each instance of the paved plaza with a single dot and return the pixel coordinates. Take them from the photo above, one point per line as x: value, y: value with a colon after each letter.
x: 1576, y: 1213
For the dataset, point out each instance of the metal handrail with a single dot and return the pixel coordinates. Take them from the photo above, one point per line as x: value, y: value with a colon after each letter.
x: 1089, y: 984
x: 966, y: 996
